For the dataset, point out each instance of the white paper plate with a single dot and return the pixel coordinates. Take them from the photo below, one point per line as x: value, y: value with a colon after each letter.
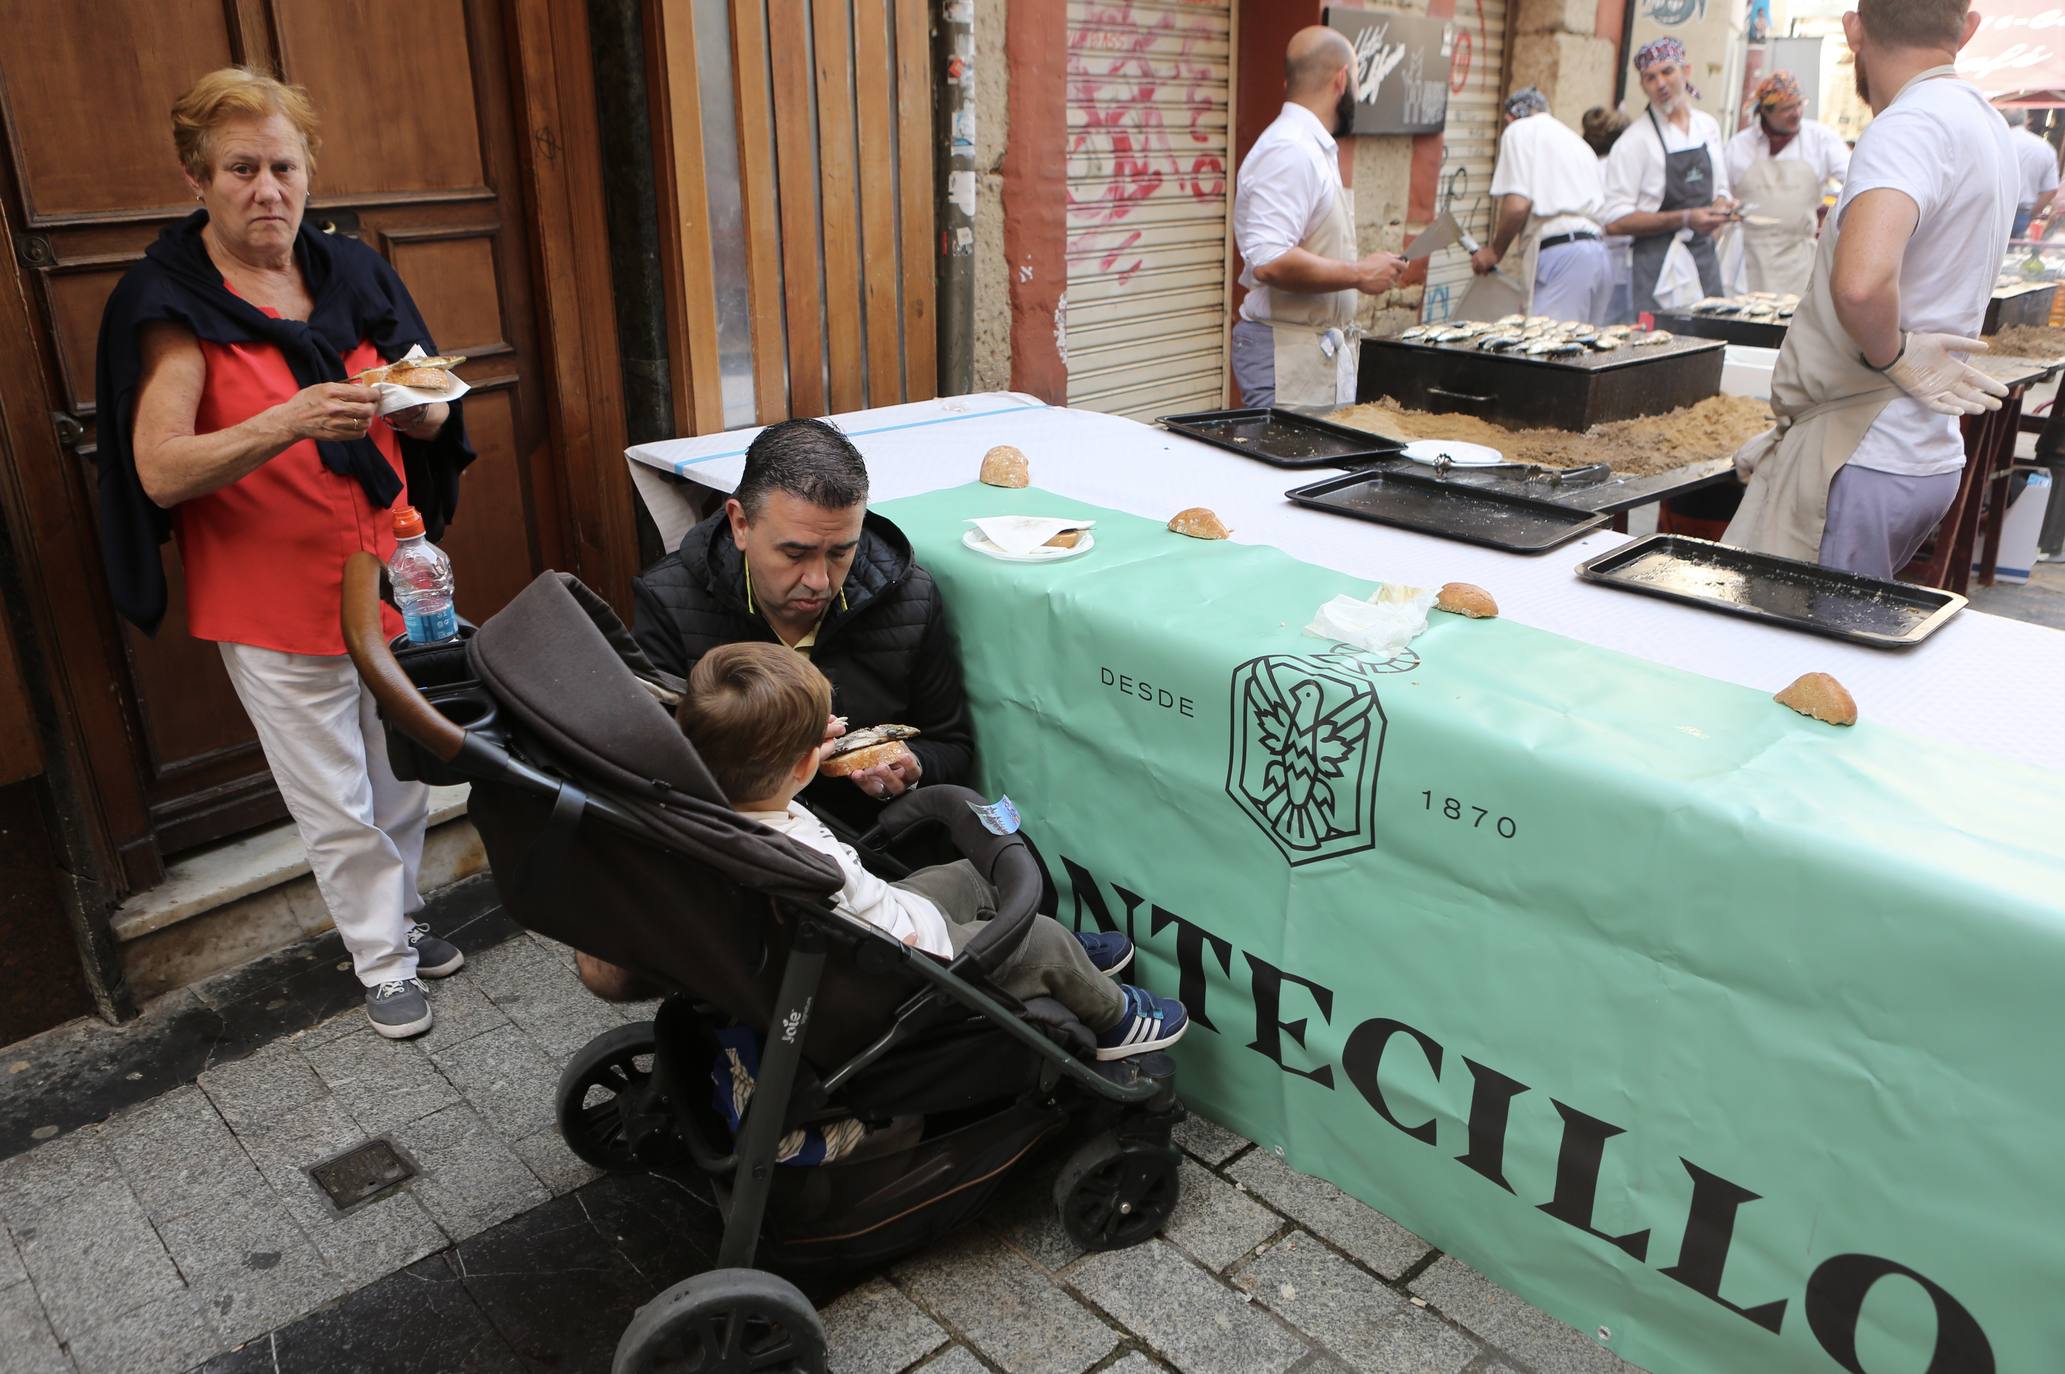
x: 1459, y: 454
x: 976, y: 540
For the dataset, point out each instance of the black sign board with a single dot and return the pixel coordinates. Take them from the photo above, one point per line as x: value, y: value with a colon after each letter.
x: 1401, y: 69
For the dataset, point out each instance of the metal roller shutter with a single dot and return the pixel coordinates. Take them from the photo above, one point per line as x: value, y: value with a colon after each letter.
x: 1469, y: 145
x: 1149, y: 86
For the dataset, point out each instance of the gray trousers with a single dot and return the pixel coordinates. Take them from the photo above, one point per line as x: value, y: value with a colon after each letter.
x: 1050, y: 962
x: 1574, y: 281
x: 1254, y: 363
x: 1877, y: 520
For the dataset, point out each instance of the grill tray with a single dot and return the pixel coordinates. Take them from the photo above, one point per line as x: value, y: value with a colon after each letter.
x: 1777, y: 591
x: 1542, y: 393
x: 1727, y: 328
x: 1429, y: 505
x: 2019, y: 305
x: 1283, y: 438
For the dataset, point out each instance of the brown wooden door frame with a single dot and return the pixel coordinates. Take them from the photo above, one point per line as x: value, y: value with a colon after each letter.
x: 71, y: 646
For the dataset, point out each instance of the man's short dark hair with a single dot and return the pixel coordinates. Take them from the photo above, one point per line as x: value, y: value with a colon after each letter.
x: 1936, y: 25
x: 808, y: 459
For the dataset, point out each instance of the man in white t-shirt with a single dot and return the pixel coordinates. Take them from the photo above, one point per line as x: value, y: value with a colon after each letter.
x: 1294, y: 343
x: 2038, y: 161
x: 1549, y: 196
x: 1667, y: 179
x: 1779, y: 168
x: 1923, y: 222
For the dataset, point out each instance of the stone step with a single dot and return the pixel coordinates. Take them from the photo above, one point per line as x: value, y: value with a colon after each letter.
x: 227, y: 905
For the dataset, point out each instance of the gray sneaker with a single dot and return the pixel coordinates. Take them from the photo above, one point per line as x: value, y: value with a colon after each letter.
x: 435, y: 958
x: 399, y: 1010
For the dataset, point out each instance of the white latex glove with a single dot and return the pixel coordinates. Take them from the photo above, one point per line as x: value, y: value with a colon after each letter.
x: 1930, y: 371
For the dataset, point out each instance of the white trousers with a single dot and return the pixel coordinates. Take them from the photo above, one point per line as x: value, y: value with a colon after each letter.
x: 362, y: 827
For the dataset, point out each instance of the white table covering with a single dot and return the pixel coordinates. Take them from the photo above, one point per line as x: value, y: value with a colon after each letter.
x: 1982, y: 681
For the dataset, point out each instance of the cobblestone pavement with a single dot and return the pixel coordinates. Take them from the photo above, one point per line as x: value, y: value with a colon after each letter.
x: 182, y: 1232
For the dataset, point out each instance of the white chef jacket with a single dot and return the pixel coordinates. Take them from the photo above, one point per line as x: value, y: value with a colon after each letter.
x: 1817, y: 145
x: 1285, y: 187
x: 1542, y: 159
x: 1943, y: 147
x: 1634, y: 169
x: 2039, y: 165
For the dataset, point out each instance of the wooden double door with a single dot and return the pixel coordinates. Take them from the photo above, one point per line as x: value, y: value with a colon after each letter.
x: 421, y: 158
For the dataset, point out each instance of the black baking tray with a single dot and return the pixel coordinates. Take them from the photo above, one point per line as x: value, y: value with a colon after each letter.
x: 2019, y: 305
x: 1777, y: 591
x: 1450, y: 510
x: 1727, y: 328
x: 1284, y: 438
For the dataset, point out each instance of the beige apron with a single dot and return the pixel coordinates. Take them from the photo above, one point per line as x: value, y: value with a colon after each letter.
x: 1496, y: 295
x: 1779, y: 257
x: 1315, y: 331
x: 1825, y: 399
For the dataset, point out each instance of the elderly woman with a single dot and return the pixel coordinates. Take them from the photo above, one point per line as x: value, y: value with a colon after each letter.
x: 228, y: 421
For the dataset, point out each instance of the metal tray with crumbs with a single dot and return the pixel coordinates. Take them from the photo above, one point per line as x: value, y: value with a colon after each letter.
x: 1777, y: 591
x: 1450, y: 510
x: 1283, y: 438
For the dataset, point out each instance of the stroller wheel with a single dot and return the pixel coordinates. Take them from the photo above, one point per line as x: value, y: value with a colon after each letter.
x: 612, y: 1111
x: 1112, y: 1193
x: 727, y: 1321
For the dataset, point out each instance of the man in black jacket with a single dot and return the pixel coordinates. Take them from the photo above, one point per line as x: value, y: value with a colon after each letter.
x: 795, y: 558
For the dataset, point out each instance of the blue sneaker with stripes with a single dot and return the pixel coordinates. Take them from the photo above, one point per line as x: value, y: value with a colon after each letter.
x: 1109, y: 951
x: 1148, y: 1023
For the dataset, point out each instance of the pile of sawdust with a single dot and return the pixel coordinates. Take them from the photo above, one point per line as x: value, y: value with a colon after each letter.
x: 1714, y: 428
x: 2028, y: 341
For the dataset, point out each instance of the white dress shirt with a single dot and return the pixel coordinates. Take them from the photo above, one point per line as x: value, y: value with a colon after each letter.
x: 1635, y: 167
x: 1285, y: 187
x: 2039, y: 163
x: 1817, y: 145
x: 866, y: 898
x: 1542, y: 159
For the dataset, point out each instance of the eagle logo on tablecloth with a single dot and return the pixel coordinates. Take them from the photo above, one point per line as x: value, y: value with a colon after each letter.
x: 1307, y: 737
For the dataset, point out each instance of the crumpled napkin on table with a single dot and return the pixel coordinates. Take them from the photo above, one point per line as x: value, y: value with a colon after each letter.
x: 1022, y: 534
x: 1383, y: 624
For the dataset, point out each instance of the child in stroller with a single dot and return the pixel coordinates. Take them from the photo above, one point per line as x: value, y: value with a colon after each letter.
x: 605, y: 831
x: 755, y: 713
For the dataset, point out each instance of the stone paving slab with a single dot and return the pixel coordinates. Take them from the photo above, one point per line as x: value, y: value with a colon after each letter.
x: 1177, y: 1309
x: 1214, y: 1222
x: 26, y: 1343
x: 506, y: 1077
x: 1326, y: 1211
x: 1008, y: 1310
x: 11, y: 1270
x: 162, y: 1337
x: 461, y: 1011
x: 1463, y: 1295
x: 44, y: 1177
x: 93, y: 1257
x: 1365, y: 1324
x: 546, y: 1155
x: 178, y: 1154
x: 541, y: 993
x: 1024, y: 1214
x: 251, y: 1266
x: 269, y: 1084
x: 471, y: 1179
x: 874, y: 1329
x: 1208, y: 1141
x: 955, y: 1359
x: 383, y: 1083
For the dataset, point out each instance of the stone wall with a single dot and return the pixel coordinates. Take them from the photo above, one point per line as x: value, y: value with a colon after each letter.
x: 992, y: 128
x: 1558, y: 46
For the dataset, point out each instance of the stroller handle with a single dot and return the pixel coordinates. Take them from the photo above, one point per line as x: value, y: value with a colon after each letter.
x: 365, y: 638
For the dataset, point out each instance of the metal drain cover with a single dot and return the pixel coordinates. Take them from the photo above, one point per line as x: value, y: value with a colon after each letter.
x: 362, y: 1173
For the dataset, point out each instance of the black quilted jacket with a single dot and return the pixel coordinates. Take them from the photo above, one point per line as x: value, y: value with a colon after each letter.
x: 888, y: 651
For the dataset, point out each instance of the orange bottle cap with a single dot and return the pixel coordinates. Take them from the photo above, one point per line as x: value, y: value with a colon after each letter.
x: 408, y: 522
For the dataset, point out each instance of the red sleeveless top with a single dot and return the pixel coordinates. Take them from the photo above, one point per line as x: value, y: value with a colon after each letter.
x: 264, y: 556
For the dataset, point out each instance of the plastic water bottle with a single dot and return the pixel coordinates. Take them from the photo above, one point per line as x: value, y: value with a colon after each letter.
x: 422, y: 578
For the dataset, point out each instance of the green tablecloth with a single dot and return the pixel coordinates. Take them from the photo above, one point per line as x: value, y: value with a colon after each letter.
x: 1721, y: 1031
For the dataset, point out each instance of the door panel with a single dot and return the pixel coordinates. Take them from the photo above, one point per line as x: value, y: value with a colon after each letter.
x: 435, y: 188
x: 87, y: 91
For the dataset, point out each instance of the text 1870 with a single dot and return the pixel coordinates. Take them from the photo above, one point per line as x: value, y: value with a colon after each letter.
x: 1472, y: 816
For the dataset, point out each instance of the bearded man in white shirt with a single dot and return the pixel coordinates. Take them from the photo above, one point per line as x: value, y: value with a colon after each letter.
x: 1779, y: 167
x: 1549, y: 196
x: 1666, y: 179
x: 1296, y: 341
